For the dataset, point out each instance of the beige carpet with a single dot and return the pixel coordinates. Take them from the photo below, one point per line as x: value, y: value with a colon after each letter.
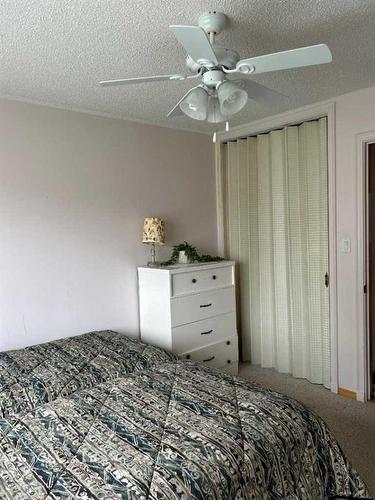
x: 352, y: 422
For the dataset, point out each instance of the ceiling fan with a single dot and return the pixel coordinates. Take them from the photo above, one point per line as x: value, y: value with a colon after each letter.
x: 218, y: 96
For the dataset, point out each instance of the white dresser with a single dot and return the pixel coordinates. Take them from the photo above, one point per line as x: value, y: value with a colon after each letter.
x: 191, y: 310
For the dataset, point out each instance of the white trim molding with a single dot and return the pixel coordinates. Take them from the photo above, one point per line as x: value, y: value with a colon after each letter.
x: 362, y: 140
x: 219, y: 199
x: 294, y: 117
x: 101, y: 114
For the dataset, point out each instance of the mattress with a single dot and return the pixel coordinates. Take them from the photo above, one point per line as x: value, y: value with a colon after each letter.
x: 118, y: 419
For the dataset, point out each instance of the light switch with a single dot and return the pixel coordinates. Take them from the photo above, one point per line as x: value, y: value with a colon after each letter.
x: 345, y: 245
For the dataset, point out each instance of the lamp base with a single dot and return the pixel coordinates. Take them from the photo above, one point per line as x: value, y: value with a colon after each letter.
x: 153, y: 264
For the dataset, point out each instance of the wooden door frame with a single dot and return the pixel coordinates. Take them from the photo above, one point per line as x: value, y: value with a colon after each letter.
x: 274, y: 122
x: 363, y: 361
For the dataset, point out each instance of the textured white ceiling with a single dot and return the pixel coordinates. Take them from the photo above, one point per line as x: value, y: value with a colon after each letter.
x: 55, y: 52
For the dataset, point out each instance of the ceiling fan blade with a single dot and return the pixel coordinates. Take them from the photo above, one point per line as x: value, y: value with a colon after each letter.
x: 295, y: 58
x: 259, y: 92
x: 196, y: 43
x: 176, y: 110
x: 142, y: 79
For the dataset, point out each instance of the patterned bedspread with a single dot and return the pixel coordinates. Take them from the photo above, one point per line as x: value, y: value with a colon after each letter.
x: 145, y: 425
x: 41, y: 373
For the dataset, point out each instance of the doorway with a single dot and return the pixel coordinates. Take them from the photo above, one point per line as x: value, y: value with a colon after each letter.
x: 370, y: 251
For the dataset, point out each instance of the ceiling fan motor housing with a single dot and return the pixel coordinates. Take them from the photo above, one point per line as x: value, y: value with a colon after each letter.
x: 226, y: 58
x: 212, y: 78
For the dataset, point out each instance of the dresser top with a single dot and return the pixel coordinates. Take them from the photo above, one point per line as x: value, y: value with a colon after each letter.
x: 183, y: 268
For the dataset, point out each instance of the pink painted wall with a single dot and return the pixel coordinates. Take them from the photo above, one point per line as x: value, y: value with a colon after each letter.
x: 74, y: 189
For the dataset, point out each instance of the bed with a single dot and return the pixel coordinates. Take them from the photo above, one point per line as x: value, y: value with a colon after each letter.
x: 103, y: 416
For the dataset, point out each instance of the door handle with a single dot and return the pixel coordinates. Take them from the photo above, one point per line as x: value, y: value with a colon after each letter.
x: 205, y: 305
x: 326, y: 280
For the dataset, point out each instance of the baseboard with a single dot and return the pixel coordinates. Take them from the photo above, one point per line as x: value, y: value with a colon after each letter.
x: 334, y: 388
x: 347, y: 393
x: 361, y: 396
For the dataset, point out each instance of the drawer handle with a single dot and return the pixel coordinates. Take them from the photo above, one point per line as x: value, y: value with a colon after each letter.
x: 205, y: 305
x: 214, y: 277
x: 206, y: 333
x: 209, y: 359
x: 193, y: 280
x: 229, y: 361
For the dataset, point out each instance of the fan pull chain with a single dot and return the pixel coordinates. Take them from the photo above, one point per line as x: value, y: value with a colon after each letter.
x: 214, y: 137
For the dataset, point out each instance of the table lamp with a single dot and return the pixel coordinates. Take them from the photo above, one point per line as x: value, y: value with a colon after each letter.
x: 154, y: 234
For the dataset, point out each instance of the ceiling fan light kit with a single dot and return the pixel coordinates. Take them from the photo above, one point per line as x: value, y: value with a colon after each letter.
x: 232, y: 98
x: 195, y: 104
x: 218, y: 97
x: 214, y: 114
x: 226, y: 95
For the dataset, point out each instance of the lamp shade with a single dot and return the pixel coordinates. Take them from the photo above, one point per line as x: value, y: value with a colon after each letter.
x: 232, y: 98
x: 214, y: 114
x: 195, y: 104
x: 153, y: 231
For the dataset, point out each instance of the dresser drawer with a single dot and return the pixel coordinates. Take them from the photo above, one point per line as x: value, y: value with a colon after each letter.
x: 200, y: 280
x: 202, y: 305
x: 216, y: 355
x: 200, y: 333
